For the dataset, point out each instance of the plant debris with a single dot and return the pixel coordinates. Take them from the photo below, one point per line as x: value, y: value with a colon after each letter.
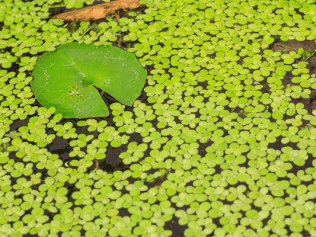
x: 293, y: 45
x: 98, y: 11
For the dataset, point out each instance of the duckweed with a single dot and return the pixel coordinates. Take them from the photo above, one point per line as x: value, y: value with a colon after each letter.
x: 221, y: 141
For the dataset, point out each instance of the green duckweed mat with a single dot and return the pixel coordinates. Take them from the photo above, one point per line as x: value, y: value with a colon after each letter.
x: 221, y: 141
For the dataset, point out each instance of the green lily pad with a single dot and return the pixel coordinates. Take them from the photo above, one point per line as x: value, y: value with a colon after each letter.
x: 68, y: 78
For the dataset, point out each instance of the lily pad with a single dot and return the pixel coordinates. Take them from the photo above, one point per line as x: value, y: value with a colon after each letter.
x: 68, y: 78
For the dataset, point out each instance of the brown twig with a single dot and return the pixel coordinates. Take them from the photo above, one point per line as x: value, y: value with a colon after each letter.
x: 98, y: 11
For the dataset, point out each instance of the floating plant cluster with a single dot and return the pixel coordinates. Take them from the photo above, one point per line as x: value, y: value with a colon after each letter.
x: 222, y: 141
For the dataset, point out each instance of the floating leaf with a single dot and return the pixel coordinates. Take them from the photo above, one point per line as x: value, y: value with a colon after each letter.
x: 68, y: 78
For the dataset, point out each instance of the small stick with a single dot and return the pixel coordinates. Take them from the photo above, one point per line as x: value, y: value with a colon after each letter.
x: 120, y: 40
